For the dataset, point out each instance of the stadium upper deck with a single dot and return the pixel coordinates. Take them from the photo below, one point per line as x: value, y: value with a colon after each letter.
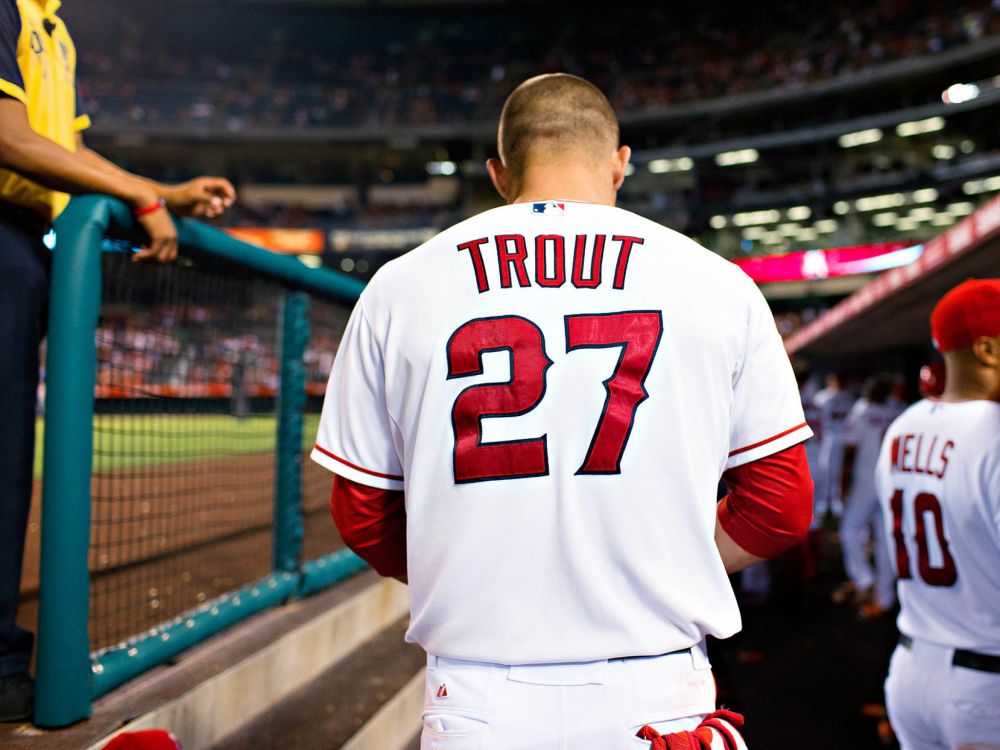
x: 308, y: 67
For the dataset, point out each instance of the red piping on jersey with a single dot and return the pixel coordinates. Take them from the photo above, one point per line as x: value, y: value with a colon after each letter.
x: 335, y: 457
x: 746, y: 448
x: 769, y: 505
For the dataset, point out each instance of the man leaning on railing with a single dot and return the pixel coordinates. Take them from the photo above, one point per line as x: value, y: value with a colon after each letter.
x: 42, y: 160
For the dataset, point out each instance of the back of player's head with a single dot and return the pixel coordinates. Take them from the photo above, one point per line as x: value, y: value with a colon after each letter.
x: 969, y: 311
x: 878, y: 387
x: 553, y: 116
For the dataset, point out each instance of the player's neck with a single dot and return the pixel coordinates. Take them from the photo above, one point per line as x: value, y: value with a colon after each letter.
x: 574, y: 182
x: 967, y: 384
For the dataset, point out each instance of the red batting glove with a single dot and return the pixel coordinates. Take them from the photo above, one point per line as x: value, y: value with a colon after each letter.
x: 720, y: 725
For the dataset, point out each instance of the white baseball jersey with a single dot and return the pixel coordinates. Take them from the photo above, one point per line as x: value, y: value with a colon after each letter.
x: 558, y: 387
x: 938, y: 481
x: 864, y: 428
x: 833, y: 407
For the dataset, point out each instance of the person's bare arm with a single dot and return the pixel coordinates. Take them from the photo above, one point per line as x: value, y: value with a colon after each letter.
x: 205, y: 197
x: 734, y: 557
x: 24, y: 151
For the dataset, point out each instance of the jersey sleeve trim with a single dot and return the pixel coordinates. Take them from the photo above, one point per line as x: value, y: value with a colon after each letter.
x: 13, y: 91
x: 784, y: 439
x: 330, y: 460
x: 765, y: 441
x: 81, y: 123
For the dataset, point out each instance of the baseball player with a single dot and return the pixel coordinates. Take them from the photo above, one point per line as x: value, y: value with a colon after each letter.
x: 528, y: 417
x: 833, y: 404
x: 938, y: 480
x: 872, y: 588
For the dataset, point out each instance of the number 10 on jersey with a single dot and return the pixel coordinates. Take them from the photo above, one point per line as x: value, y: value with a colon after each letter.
x: 636, y: 333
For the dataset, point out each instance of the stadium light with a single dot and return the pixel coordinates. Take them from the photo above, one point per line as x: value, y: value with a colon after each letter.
x: 919, y: 127
x: 963, y: 208
x: 680, y: 164
x: 960, y: 92
x: 860, y: 138
x: 754, y: 233
x: 906, y: 224
x: 926, y: 195
x: 312, y: 261
x: 718, y: 222
x: 943, y: 151
x: 986, y: 185
x: 807, y: 234
x: 825, y: 226
x: 879, y: 202
x: 886, y: 219
x: 750, y: 218
x: 943, y: 220
x: 841, y: 207
x: 741, y: 156
x: 443, y: 168
x: 629, y: 170
x: 789, y: 230
x: 799, y: 213
x: 922, y: 213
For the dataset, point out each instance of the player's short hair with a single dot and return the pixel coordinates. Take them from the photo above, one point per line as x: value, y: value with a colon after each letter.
x: 878, y: 387
x: 551, y: 115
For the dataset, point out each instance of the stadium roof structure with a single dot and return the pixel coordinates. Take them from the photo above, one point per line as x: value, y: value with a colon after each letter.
x: 892, y: 311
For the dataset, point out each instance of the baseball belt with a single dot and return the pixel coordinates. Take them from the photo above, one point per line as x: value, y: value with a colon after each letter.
x: 963, y: 658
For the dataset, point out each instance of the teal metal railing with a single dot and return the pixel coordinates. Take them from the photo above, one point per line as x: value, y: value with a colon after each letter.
x: 69, y: 676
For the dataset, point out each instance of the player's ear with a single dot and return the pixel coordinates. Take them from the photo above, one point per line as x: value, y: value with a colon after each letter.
x: 987, y: 350
x: 619, y: 165
x: 500, y: 176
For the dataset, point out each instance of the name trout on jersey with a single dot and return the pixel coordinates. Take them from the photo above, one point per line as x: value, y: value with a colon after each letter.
x: 552, y: 265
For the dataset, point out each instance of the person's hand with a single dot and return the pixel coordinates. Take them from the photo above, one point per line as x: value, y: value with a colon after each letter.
x: 159, y: 226
x: 202, y: 197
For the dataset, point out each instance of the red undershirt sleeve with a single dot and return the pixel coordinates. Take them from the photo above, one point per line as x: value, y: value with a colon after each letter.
x: 769, y: 505
x: 372, y: 522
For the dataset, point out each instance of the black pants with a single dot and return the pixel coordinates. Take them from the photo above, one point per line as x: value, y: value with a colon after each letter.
x: 24, y: 294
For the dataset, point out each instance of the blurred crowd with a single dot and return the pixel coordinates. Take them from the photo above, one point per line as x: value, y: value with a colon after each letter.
x: 201, y: 351
x: 418, y: 69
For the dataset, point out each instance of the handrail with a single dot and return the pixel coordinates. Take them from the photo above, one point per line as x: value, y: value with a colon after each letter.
x: 68, y: 678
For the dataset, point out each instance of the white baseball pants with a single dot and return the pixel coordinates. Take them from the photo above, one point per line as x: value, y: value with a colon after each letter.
x: 582, y: 706
x: 861, y: 522
x: 934, y: 705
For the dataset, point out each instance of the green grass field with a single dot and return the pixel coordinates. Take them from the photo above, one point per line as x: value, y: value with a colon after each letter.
x: 134, y: 440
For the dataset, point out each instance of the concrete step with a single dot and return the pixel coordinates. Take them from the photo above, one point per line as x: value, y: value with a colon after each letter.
x: 214, y: 689
x: 353, y: 704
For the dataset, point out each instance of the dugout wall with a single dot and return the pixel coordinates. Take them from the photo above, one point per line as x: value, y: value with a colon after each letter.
x: 179, y: 402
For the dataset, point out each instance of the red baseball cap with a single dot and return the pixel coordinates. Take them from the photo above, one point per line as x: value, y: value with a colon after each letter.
x: 970, y: 310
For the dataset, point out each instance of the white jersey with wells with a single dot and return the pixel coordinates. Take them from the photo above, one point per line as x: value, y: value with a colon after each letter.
x: 558, y: 387
x: 864, y: 428
x: 938, y: 480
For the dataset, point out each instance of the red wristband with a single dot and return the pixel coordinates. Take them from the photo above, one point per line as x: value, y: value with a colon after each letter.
x: 160, y: 203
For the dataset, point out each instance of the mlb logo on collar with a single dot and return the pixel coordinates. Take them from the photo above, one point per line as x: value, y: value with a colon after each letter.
x: 548, y: 207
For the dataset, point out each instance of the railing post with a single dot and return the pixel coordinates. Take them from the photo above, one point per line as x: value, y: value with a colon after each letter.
x: 63, y: 668
x: 288, y: 531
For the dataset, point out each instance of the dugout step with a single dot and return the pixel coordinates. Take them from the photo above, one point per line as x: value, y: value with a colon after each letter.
x: 215, y: 688
x: 329, y: 711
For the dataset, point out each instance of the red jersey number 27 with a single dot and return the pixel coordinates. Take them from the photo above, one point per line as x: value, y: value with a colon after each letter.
x: 636, y: 333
